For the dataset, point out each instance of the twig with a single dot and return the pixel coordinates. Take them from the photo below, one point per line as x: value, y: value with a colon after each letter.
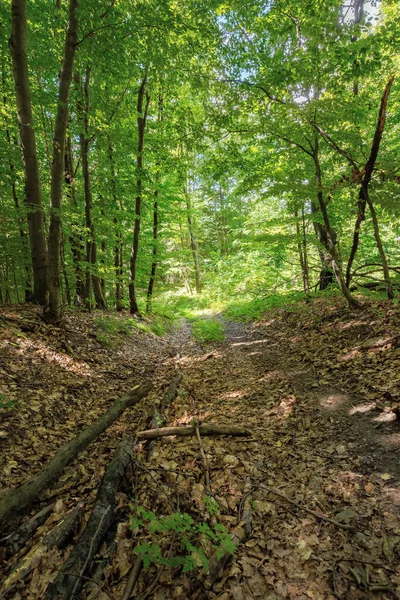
x: 307, y: 510
x: 205, y: 461
x: 133, y: 577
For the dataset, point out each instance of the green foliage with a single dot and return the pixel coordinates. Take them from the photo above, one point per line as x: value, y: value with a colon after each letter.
x: 111, y: 331
x: 7, y: 402
x: 207, y: 330
x: 186, y: 535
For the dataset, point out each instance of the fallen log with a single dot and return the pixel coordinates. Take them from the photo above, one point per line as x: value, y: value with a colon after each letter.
x: 22, y: 496
x: 17, y: 539
x: 205, y: 430
x: 72, y: 575
x: 57, y: 538
x: 158, y: 417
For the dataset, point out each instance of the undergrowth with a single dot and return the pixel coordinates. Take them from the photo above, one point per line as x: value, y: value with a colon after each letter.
x: 110, y: 331
x: 207, y: 330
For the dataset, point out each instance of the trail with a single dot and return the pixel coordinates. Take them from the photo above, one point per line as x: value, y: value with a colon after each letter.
x: 316, y: 386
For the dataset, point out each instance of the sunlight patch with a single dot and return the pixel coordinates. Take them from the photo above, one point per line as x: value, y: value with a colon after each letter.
x: 250, y: 343
x: 389, y: 441
x: 362, y: 408
x: 236, y: 394
x: 63, y: 360
x: 333, y: 401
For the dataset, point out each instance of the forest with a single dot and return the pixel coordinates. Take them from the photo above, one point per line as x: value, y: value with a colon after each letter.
x: 199, y: 299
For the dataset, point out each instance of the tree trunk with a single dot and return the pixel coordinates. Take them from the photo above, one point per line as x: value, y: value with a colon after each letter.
x: 329, y: 242
x: 141, y: 125
x: 154, y: 261
x: 302, y: 249
x: 118, y: 234
x: 33, y: 200
x: 17, y: 498
x: 53, y: 312
x: 75, y: 239
x: 363, y: 195
x: 385, y: 267
x: 193, y: 241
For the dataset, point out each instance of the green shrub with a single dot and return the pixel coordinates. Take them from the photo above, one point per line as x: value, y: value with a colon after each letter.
x: 208, y: 330
x: 187, y: 551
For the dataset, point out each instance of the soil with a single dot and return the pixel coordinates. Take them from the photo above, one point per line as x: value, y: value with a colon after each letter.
x: 317, y: 385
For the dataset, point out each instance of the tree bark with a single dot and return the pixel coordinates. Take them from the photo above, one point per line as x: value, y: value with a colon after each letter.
x: 208, y: 430
x: 75, y: 238
x: 141, y: 126
x: 302, y: 249
x: 33, y: 199
x: 154, y: 260
x: 22, y: 496
x: 193, y: 241
x: 92, y: 279
x: 118, y: 234
x: 69, y: 581
x: 363, y: 195
x: 53, y: 311
x: 329, y: 242
x: 385, y: 267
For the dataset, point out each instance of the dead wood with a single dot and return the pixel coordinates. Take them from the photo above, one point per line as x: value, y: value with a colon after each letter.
x: 70, y: 580
x: 238, y: 535
x: 158, y: 417
x: 22, y: 496
x: 17, y: 539
x: 205, y: 430
x: 133, y: 577
x: 57, y: 538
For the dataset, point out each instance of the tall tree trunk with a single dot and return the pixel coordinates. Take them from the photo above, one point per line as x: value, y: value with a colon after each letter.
x: 53, y: 311
x: 118, y: 234
x: 363, y: 195
x: 330, y: 244
x: 193, y: 240
x: 33, y: 200
x: 92, y: 278
x: 302, y: 249
x: 154, y: 261
x: 385, y: 267
x: 141, y: 125
x: 75, y: 238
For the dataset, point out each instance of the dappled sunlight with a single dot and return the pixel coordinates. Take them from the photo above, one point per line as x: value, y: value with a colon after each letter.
x: 390, y: 441
x: 265, y: 323
x: 349, y: 355
x: 254, y: 342
x: 236, y: 395
x: 362, y: 408
x: 333, y: 401
x: 385, y: 417
x: 188, y: 417
x: 284, y: 408
x: 342, y: 326
x: 64, y: 361
x: 189, y: 361
x: 273, y: 376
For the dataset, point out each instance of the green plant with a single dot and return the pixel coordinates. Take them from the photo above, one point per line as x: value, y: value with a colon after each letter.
x: 185, y: 549
x: 7, y: 402
x: 207, y: 330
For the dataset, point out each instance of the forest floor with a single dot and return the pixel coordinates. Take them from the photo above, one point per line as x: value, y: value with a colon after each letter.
x: 317, y: 385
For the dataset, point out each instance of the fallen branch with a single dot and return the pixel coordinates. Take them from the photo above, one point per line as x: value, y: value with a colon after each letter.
x: 57, y: 538
x: 17, y: 540
x: 158, y: 417
x: 306, y: 509
x: 69, y: 581
x: 205, y: 461
x: 207, y: 430
x: 22, y: 496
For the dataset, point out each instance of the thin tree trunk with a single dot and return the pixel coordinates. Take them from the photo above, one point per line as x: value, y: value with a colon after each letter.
x: 382, y: 254
x: 141, y: 125
x: 154, y: 261
x: 53, y: 310
x: 366, y: 179
x: 118, y: 234
x: 75, y: 239
x: 302, y: 249
x: 33, y: 200
x: 330, y: 238
x: 92, y: 278
x: 193, y: 241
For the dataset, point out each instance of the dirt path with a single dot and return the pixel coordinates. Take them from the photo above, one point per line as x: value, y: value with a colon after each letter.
x: 316, y: 440
x: 314, y: 385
